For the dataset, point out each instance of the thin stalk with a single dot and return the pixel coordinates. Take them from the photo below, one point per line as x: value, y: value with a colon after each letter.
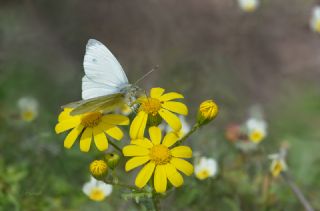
x: 110, y: 182
x: 295, y: 189
x: 193, y: 129
x: 116, y: 147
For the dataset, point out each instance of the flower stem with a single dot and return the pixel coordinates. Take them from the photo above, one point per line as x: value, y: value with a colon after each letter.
x: 193, y: 129
x: 116, y: 147
x: 295, y: 189
x: 110, y: 182
x: 155, y: 202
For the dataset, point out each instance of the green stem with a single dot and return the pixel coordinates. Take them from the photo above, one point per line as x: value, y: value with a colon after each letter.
x: 193, y: 129
x: 155, y: 202
x: 116, y: 147
x: 121, y: 185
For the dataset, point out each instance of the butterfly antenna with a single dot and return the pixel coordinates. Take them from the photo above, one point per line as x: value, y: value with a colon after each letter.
x: 145, y: 75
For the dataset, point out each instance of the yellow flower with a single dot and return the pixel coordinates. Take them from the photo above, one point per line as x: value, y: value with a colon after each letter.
x: 97, y: 190
x: 208, y: 110
x: 98, y: 168
x: 158, y: 105
x: 93, y: 124
x: 158, y: 159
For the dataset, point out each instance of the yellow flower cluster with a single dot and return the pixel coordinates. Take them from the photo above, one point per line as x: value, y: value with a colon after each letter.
x: 160, y: 155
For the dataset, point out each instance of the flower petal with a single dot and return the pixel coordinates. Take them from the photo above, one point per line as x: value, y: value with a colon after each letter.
x: 182, y: 165
x: 160, y: 179
x: 156, y: 92
x: 176, y: 107
x: 144, y: 175
x: 181, y: 152
x: 72, y: 136
x: 171, y: 119
x: 155, y: 135
x: 170, y: 96
x: 115, y: 119
x: 100, y: 139
x: 138, y: 125
x: 85, y: 140
x: 67, y: 125
x: 146, y: 143
x: 65, y: 114
x: 173, y: 175
x: 115, y: 132
x: 134, y: 150
x: 135, y: 162
x: 170, y: 139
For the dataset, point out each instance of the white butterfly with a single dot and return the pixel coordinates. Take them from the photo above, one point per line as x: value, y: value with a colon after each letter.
x: 105, y: 85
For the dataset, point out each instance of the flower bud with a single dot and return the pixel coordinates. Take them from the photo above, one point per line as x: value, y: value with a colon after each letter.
x: 208, y: 110
x: 98, y: 169
x: 112, y: 159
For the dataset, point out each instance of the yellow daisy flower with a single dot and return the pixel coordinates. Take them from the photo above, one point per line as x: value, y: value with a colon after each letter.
x: 92, y: 124
x: 158, y: 159
x: 158, y: 105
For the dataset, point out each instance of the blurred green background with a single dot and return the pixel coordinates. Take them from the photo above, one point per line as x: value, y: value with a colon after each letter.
x: 204, y: 49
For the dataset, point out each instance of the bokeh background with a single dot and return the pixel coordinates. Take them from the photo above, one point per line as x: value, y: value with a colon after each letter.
x: 204, y: 49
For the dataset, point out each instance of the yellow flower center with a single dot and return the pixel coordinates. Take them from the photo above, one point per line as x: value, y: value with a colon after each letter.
x: 203, y: 174
x: 317, y: 26
x: 249, y: 7
x: 96, y: 194
x: 277, y: 168
x: 256, y: 136
x: 160, y: 154
x: 28, y: 116
x: 91, y: 119
x: 151, y: 106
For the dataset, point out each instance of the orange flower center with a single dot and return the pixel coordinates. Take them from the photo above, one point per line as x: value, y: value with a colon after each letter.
x: 91, y: 119
x: 151, y: 106
x: 160, y: 154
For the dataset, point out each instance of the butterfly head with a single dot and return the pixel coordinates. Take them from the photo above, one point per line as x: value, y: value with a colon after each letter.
x: 132, y: 92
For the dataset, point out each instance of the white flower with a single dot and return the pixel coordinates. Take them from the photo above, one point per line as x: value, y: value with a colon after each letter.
x: 257, y: 129
x: 97, y: 190
x: 206, y: 167
x: 28, y: 108
x: 184, y: 129
x: 315, y: 19
x: 278, y: 163
x: 248, y: 5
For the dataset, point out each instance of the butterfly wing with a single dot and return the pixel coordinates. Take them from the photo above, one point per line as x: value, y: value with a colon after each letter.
x: 103, y: 73
x: 104, y: 104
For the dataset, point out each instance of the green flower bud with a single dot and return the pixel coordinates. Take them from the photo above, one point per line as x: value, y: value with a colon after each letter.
x: 112, y: 159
